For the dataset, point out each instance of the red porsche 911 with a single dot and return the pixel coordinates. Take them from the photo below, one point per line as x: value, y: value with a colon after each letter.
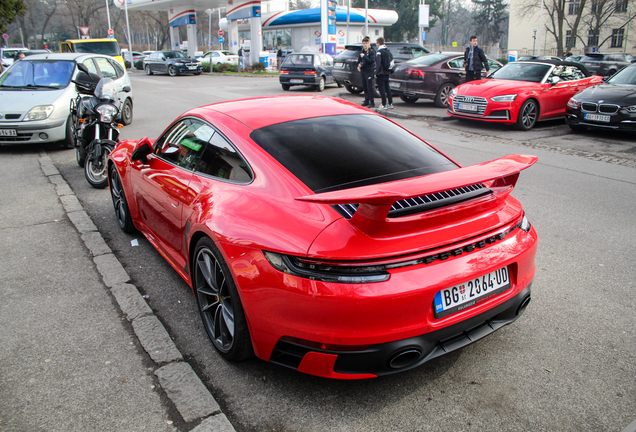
x: 521, y: 93
x: 321, y: 236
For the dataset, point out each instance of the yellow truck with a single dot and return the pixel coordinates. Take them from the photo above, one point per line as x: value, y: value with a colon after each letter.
x: 94, y: 46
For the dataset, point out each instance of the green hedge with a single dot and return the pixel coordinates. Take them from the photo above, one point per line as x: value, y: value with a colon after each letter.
x: 258, y: 67
x: 225, y: 67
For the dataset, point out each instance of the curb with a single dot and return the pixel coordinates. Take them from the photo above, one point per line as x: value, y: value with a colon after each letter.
x: 180, y: 382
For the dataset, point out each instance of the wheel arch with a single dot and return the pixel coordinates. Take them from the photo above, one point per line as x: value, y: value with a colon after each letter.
x: 520, y: 104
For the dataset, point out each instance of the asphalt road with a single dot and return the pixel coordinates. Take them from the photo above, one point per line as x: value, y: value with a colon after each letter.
x: 568, y: 364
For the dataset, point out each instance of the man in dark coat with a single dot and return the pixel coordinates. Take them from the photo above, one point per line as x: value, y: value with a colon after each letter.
x: 474, y: 57
x: 366, y: 66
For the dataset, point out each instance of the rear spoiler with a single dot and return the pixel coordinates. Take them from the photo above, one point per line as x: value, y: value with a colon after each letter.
x: 375, y: 201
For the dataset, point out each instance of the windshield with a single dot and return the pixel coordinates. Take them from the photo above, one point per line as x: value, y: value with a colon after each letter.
x: 106, y: 89
x: 531, y: 72
x: 174, y: 54
x: 626, y: 76
x: 427, y: 59
x: 106, y: 48
x: 340, y: 152
x: 38, y: 73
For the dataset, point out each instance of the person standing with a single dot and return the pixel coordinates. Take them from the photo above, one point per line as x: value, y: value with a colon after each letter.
x: 366, y: 66
x: 241, y: 54
x: 279, y: 58
x: 474, y: 58
x: 382, y: 62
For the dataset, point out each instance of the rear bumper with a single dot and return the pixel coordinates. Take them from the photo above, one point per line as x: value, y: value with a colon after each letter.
x: 300, y: 79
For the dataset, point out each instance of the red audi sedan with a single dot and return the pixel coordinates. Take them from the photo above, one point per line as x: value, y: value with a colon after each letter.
x: 521, y: 93
x: 321, y: 236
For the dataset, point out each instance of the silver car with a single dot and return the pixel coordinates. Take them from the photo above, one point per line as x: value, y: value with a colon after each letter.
x: 36, y: 94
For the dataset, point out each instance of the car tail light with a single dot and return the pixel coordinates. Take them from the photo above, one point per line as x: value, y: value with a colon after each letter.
x: 284, y: 72
x: 415, y: 72
x: 310, y: 72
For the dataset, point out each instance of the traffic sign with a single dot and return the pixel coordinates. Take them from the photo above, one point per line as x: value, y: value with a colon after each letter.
x: 84, y: 30
x: 5, y: 36
x: 221, y: 40
x: 221, y: 32
x: 111, y: 32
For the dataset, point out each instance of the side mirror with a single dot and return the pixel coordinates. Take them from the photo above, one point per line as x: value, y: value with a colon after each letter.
x: 83, y: 68
x: 142, y: 149
x: 126, y: 89
x: 553, y: 80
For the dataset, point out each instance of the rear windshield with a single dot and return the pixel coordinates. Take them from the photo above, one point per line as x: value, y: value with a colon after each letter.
x: 428, y: 59
x: 106, y: 48
x: 341, y: 152
x: 299, y: 60
x: 593, y: 57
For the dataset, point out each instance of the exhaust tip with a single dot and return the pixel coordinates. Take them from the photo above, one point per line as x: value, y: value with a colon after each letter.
x: 405, y: 358
x: 524, y: 304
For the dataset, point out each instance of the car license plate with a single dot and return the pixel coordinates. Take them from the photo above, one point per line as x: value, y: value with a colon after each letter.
x: 394, y: 85
x: 467, y: 107
x: 8, y: 132
x: 338, y: 65
x: 597, y: 117
x: 296, y: 81
x: 192, y: 67
x: 450, y: 300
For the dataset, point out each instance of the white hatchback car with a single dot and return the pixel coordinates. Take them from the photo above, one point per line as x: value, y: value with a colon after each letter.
x: 36, y: 94
x: 214, y: 57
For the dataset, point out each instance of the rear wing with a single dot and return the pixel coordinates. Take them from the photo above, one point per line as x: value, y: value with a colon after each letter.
x: 375, y: 201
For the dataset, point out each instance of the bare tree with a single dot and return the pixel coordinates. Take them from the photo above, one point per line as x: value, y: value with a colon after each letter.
x: 604, y: 13
x: 36, y: 19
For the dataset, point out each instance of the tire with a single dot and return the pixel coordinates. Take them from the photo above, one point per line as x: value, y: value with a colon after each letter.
x: 321, y: 85
x: 148, y: 71
x: 80, y: 156
x: 219, y: 304
x: 339, y: 84
x: 353, y: 89
x: 577, y: 128
x: 197, y: 73
x: 127, y: 112
x: 96, y: 172
x: 122, y: 212
x: 528, y: 114
x: 172, y: 71
x: 285, y: 86
x: 441, y: 98
x: 611, y: 72
x: 69, y: 139
x: 409, y: 99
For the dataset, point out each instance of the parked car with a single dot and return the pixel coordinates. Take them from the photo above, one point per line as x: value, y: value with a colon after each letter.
x: 214, y: 57
x: 606, y: 63
x: 35, y: 51
x: 432, y: 76
x: 533, y: 57
x: 574, y: 58
x: 172, y: 63
x: 345, y: 64
x: 147, y: 53
x: 306, y: 69
x: 323, y: 237
x: 36, y: 94
x: 610, y: 105
x: 7, y: 55
x: 521, y: 93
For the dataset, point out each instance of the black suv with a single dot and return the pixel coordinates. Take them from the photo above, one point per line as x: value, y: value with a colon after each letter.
x: 345, y: 69
x: 606, y: 63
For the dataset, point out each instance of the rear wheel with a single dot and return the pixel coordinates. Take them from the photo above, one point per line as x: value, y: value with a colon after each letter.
x: 321, y: 84
x: 285, y: 86
x: 528, y: 115
x: 148, y: 70
x: 219, y: 304
x: 409, y: 99
x: 353, y: 89
x: 122, y: 213
x: 441, y: 99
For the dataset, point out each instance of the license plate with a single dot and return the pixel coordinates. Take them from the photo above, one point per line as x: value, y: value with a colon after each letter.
x: 192, y: 67
x: 394, y: 85
x: 597, y: 117
x: 450, y: 300
x: 338, y: 65
x: 296, y: 81
x: 8, y: 132
x: 467, y: 107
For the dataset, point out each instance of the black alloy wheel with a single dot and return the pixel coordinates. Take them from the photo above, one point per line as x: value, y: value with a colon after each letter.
x: 96, y: 171
x: 122, y: 213
x: 172, y: 71
x: 528, y: 114
x: 148, y: 70
x: 409, y: 99
x: 127, y: 112
x: 441, y: 98
x: 219, y: 304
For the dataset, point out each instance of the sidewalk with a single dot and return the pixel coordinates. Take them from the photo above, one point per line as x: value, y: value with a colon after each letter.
x: 80, y: 350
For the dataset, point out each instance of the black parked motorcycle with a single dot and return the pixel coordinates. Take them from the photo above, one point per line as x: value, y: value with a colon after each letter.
x: 95, y: 128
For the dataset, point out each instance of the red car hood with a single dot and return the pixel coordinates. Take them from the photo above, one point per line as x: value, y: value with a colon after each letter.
x: 495, y: 87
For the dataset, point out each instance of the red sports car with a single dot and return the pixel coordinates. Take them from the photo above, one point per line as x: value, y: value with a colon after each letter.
x: 323, y: 237
x: 521, y: 93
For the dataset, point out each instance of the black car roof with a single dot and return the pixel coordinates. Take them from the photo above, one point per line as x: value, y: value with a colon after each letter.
x: 560, y: 63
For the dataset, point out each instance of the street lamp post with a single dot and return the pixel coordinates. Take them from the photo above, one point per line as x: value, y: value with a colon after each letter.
x: 534, y: 37
x: 209, y: 12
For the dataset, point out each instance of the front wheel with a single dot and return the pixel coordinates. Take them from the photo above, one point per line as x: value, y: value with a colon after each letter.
x: 69, y: 139
x: 353, y: 89
x: 172, y: 71
x: 528, y: 115
x: 441, y: 98
x: 96, y: 170
x: 219, y: 304
x: 127, y: 113
x: 321, y: 84
x: 148, y: 70
x: 122, y: 213
x: 409, y: 99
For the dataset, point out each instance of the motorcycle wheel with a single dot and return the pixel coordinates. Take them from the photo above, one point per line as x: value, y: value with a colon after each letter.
x: 96, y: 171
x: 80, y: 156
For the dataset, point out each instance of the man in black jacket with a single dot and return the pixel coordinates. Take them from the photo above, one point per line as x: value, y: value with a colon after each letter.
x: 474, y: 57
x: 366, y: 66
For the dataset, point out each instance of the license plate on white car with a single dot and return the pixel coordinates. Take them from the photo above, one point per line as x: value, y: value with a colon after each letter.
x: 597, y: 117
x: 296, y: 81
x: 467, y: 107
x: 8, y: 132
x: 450, y: 300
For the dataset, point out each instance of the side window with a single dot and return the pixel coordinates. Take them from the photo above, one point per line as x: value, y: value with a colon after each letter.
x: 317, y: 61
x: 418, y: 52
x: 154, y: 56
x: 107, y: 69
x: 456, y: 63
x: 215, y: 54
x: 221, y: 160
x: 184, y: 143
x: 117, y: 66
x: 629, y: 58
x: 91, y: 66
